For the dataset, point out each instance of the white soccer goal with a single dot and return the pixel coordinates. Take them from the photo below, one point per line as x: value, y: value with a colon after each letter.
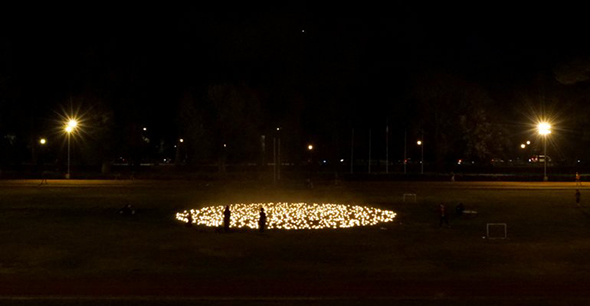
x: 410, y: 195
x: 496, y: 230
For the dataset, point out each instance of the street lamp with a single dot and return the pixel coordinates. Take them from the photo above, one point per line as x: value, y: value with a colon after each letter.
x: 419, y: 142
x: 42, y: 141
x: 310, y: 150
x: 70, y: 127
x: 544, y: 129
x: 177, y: 146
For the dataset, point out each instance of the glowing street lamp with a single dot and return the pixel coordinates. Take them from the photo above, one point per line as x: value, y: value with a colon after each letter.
x: 177, y: 155
x: 419, y: 142
x: 70, y: 127
x: 522, y: 146
x: 42, y: 141
x: 72, y: 123
x: 310, y: 147
x: 544, y: 129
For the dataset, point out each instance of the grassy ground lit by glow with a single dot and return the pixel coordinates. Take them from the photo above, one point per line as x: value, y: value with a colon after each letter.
x: 290, y: 216
x: 67, y: 237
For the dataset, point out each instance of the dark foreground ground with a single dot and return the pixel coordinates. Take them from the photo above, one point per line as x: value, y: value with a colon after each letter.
x: 63, y: 243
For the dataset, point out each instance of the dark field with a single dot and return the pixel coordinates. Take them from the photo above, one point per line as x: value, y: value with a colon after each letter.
x: 65, y: 244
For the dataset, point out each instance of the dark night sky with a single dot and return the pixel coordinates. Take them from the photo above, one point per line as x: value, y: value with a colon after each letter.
x: 176, y: 46
x: 361, y: 55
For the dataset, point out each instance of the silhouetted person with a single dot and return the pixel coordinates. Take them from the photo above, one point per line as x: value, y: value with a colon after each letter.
x: 127, y: 210
x: 262, y: 220
x: 226, y: 218
x: 190, y: 220
x: 578, y: 179
x: 578, y: 196
x: 459, y: 209
x: 443, y: 216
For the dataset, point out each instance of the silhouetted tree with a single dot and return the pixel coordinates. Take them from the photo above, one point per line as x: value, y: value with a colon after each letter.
x: 454, y: 115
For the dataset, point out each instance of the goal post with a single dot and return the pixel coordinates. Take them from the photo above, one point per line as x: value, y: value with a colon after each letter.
x: 496, y: 230
x: 410, y: 195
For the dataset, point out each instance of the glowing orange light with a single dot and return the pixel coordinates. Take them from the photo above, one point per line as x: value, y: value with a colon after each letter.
x: 290, y: 216
x: 544, y: 128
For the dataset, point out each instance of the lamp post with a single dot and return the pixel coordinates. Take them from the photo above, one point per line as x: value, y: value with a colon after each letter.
x: 177, y: 155
x: 70, y: 127
x: 544, y: 130
x: 419, y: 142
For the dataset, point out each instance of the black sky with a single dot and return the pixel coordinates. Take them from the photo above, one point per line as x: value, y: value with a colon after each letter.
x: 360, y: 56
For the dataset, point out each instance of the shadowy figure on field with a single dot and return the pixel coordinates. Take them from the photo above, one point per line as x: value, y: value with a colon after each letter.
x: 309, y: 183
x: 578, y: 195
x: 226, y: 218
x: 459, y: 209
x: 262, y: 220
x: 578, y: 179
x: 190, y: 220
x: 443, y: 216
x: 127, y: 210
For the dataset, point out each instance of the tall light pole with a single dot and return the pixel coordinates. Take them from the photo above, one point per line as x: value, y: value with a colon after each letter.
x: 177, y: 157
x: 70, y: 127
x: 544, y: 130
x: 419, y: 142
x: 405, y: 150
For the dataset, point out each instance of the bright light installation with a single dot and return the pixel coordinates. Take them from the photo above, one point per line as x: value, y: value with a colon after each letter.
x: 419, y: 142
x: 69, y: 129
x: 523, y: 146
x: 310, y: 147
x: 72, y: 123
x: 42, y: 141
x: 290, y: 216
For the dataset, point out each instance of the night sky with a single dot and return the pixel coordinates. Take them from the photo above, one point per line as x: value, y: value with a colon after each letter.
x: 355, y: 65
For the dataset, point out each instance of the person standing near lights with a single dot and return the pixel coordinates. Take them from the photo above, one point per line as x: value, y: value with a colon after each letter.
x: 443, y: 216
x: 262, y: 220
x: 226, y: 218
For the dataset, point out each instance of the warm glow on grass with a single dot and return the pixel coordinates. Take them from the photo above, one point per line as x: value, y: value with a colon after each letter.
x: 290, y: 216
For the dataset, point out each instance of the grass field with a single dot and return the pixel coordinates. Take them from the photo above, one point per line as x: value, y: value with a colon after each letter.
x: 66, y: 239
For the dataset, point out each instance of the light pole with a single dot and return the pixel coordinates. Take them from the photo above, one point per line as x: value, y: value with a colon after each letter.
x: 70, y: 127
x: 311, y: 168
x: 419, y: 142
x: 544, y: 130
x: 177, y: 157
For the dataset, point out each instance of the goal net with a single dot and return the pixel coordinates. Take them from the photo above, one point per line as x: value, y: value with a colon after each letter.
x: 496, y: 230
